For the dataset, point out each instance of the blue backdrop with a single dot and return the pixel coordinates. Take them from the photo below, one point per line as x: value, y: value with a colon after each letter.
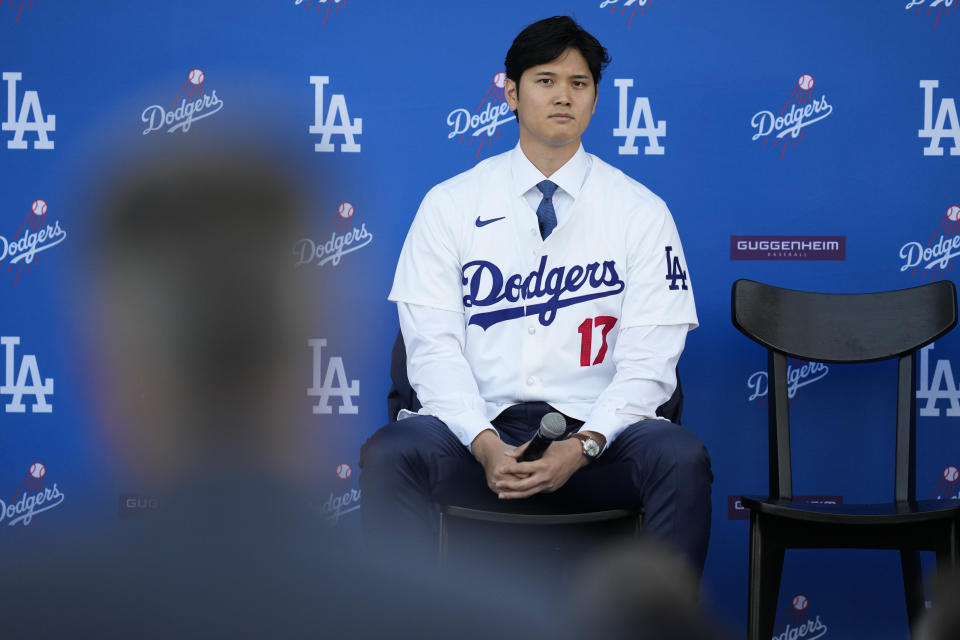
x: 813, y: 145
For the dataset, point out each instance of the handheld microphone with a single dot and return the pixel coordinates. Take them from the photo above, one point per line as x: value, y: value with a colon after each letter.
x: 552, y: 427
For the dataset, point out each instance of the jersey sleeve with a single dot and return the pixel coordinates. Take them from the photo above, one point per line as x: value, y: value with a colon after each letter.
x: 428, y: 271
x: 658, y: 288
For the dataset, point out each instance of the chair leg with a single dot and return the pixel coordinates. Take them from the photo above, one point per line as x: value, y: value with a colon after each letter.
x: 442, y: 538
x: 766, y: 568
x: 912, y: 584
x: 948, y: 556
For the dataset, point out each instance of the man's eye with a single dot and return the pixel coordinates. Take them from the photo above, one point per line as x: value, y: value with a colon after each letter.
x: 579, y: 84
x: 545, y: 81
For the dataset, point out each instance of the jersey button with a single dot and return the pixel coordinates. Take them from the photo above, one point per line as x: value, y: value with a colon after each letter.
x: 530, y: 381
x: 531, y: 330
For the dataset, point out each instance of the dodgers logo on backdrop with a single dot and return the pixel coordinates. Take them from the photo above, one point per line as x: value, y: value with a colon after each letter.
x: 940, y: 386
x: 328, y: 128
x: 29, y: 117
x: 23, y: 380
x: 321, y: 4
x: 943, y: 7
x: 934, y: 257
x: 790, y: 125
x: 946, y: 126
x: 31, y: 499
x: 19, y: 6
x: 342, y: 237
x: 338, y: 505
x: 331, y: 380
x: 798, y: 623
x: 487, y: 286
x: 798, y: 377
x: 482, y: 124
x: 623, y: 5
x: 737, y: 511
x: 33, y: 236
x: 948, y: 484
x: 650, y: 129
x: 193, y: 103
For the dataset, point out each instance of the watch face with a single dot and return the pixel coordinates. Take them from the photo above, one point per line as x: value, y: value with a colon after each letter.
x: 591, y: 448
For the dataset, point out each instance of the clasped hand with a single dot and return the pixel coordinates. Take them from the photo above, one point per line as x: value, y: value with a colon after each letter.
x: 511, y: 479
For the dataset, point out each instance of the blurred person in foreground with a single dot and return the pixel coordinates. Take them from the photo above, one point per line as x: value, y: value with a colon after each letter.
x: 942, y: 620
x: 642, y: 591
x: 203, y: 324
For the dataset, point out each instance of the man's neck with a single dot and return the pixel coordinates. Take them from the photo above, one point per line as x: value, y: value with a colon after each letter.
x: 545, y: 158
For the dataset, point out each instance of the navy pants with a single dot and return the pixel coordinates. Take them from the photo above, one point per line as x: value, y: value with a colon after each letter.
x: 654, y: 464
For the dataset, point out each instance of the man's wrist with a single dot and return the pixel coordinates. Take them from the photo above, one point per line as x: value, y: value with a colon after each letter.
x: 480, y: 443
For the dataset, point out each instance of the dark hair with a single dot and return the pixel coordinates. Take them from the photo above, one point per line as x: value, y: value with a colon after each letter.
x: 546, y: 40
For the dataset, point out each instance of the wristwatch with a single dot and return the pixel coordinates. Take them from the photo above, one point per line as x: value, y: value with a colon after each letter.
x: 591, y: 448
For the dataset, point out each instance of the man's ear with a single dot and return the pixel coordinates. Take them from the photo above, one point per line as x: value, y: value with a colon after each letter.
x: 512, y: 92
x: 595, y: 98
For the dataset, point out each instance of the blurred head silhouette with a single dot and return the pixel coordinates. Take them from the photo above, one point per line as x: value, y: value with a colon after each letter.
x: 201, y: 315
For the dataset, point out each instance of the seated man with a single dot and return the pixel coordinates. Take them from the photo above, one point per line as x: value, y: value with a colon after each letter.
x: 543, y: 279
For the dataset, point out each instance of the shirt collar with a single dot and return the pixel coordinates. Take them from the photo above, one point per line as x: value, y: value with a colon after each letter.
x: 570, y: 177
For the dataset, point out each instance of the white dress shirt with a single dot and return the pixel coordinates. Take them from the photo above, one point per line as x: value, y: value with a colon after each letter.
x: 645, y: 356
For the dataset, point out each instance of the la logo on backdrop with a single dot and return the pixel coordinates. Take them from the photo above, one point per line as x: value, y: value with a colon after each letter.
x: 628, y: 8
x: 641, y: 123
x: 192, y: 103
x: 329, y: 127
x: 789, y: 126
x: 341, y: 237
x: 34, y: 235
x: 940, y: 385
x: 329, y: 380
x: 935, y: 8
x: 482, y: 124
x: 29, y: 117
x: 31, y: 498
x: 947, y: 124
x: 23, y: 380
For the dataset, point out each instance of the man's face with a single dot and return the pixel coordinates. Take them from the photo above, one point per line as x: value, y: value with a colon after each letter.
x: 554, y: 101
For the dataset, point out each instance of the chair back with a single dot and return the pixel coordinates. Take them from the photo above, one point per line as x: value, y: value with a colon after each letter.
x: 843, y: 328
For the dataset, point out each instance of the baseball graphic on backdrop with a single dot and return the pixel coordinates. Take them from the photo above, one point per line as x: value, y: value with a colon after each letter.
x: 500, y: 79
x: 344, y: 471
x: 37, y: 470
x: 345, y: 210
x: 951, y: 474
x: 800, y: 602
x: 953, y: 213
x: 196, y: 76
x: 39, y: 207
x: 805, y: 82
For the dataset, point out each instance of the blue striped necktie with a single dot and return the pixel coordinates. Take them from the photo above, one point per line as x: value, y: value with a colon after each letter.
x: 545, y: 212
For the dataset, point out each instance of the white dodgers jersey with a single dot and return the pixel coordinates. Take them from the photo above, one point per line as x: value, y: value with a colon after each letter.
x: 542, y: 316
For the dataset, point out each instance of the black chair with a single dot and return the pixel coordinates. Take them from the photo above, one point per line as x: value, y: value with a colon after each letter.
x: 843, y: 328
x: 402, y: 396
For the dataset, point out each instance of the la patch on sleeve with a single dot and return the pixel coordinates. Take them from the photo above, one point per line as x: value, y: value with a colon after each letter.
x: 675, y: 271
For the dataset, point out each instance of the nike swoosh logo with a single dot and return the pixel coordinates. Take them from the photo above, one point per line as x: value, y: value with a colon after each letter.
x: 483, y: 223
